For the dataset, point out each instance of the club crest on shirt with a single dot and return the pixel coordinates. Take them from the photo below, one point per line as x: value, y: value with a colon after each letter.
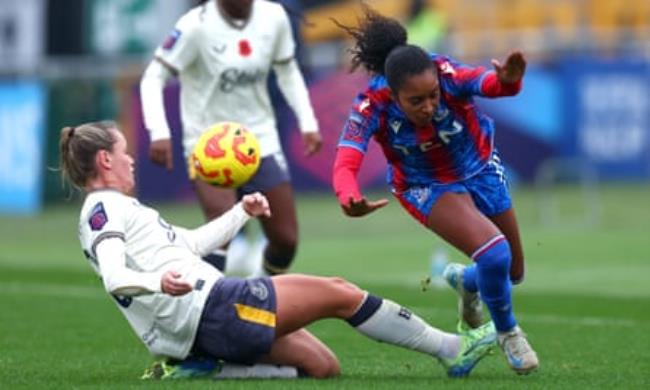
x: 98, y: 217
x: 171, y: 39
x: 353, y: 130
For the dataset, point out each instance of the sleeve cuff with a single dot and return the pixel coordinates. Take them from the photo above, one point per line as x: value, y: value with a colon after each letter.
x: 159, y: 134
x: 309, y: 125
x: 152, y: 281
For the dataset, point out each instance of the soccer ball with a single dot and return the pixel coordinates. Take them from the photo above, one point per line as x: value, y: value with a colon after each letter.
x: 226, y: 155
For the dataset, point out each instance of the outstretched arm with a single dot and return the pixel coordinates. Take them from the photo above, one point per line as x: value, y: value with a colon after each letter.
x: 214, y: 234
x: 346, y: 167
x: 507, y: 78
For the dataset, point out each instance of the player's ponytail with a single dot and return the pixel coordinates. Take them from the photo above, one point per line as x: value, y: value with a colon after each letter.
x: 375, y: 37
x: 78, y: 147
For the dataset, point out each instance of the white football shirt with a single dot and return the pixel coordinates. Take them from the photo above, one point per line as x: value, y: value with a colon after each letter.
x: 223, y: 70
x: 166, y: 324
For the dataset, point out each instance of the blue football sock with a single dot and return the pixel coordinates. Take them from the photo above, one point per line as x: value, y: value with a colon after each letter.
x: 493, y: 281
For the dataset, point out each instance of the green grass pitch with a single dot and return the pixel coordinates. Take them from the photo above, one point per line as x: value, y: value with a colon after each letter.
x: 584, y: 304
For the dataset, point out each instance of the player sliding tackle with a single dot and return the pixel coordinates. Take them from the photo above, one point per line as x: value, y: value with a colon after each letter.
x: 180, y: 306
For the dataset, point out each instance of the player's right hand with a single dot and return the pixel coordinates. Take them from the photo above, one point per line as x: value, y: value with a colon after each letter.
x: 361, y: 207
x: 256, y: 205
x: 171, y: 283
x: 160, y: 152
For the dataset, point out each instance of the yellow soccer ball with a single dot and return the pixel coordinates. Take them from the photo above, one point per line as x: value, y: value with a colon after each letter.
x: 226, y: 155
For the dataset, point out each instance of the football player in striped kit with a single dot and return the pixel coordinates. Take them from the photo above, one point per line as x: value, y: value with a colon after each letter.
x: 222, y: 52
x: 179, y: 306
x: 443, y: 166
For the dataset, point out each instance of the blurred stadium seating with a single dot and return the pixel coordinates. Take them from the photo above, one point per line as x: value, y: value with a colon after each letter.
x: 82, y: 60
x: 546, y: 27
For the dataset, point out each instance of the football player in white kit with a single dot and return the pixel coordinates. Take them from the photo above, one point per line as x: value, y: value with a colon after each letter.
x: 180, y: 306
x: 222, y: 52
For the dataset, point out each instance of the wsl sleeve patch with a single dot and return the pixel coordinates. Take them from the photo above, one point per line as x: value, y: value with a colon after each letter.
x: 171, y: 40
x: 98, y: 217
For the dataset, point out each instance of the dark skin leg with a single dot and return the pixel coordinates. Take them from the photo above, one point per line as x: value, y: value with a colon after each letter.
x: 214, y: 200
x: 281, y: 228
x: 507, y: 223
x: 455, y: 218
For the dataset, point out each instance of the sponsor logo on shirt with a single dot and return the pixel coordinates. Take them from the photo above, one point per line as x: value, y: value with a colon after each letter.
x: 98, y: 217
x: 233, y: 77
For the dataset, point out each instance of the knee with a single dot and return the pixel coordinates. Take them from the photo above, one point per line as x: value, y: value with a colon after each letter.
x: 334, y: 367
x: 328, y: 369
x: 350, y: 297
x: 496, y: 258
x: 325, y: 366
x: 283, y: 244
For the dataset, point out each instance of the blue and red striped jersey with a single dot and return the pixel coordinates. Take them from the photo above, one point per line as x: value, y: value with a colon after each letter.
x: 456, y: 145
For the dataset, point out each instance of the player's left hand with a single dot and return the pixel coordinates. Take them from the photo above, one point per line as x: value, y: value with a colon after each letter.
x: 513, y: 69
x: 313, y: 142
x: 256, y: 205
x: 363, y: 206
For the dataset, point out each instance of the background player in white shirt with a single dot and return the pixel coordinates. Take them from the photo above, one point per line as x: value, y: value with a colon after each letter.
x: 222, y: 52
x: 179, y: 305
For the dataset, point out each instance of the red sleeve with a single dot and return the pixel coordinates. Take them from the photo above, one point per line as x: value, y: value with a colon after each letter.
x: 492, y: 87
x: 344, y: 177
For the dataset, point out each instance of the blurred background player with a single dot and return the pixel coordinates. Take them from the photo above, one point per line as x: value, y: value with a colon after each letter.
x: 442, y: 164
x: 222, y: 52
x: 178, y: 304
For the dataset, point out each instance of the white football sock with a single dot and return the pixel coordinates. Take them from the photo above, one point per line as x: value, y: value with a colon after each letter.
x: 397, y: 325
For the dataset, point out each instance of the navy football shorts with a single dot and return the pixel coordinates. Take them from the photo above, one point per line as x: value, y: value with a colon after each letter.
x: 272, y: 172
x: 238, y: 321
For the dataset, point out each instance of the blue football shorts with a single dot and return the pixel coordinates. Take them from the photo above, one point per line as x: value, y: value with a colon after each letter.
x: 488, y: 188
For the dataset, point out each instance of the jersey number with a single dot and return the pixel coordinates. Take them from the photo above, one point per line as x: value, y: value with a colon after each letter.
x: 171, y: 234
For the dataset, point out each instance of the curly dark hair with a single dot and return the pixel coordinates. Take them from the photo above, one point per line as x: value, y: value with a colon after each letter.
x: 381, y: 48
x: 375, y: 38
